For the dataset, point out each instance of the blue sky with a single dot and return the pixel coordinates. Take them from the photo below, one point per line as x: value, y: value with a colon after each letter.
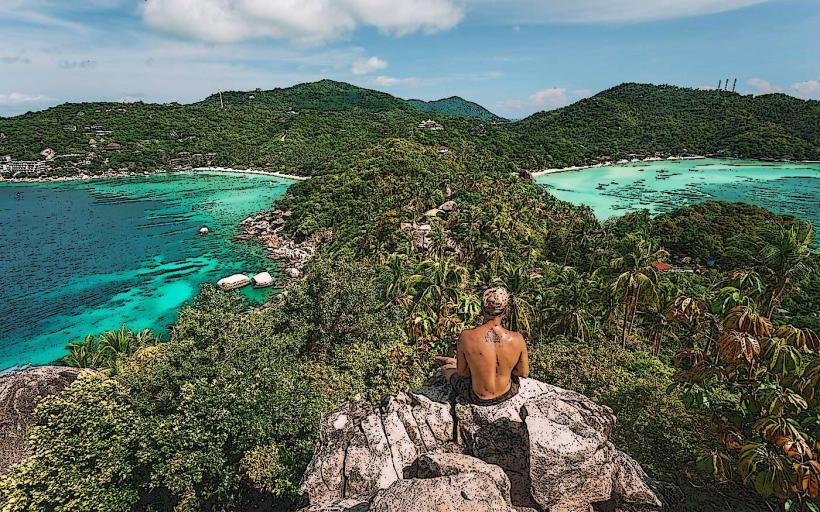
x: 513, y: 56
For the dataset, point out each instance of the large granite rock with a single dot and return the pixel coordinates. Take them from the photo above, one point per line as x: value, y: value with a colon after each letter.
x: 444, y: 481
x: 19, y: 392
x: 545, y: 449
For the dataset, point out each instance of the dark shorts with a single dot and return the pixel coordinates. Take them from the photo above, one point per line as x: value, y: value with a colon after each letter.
x: 463, y: 388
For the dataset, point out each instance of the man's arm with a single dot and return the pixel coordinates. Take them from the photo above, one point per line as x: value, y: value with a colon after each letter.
x: 461, y: 359
x: 522, y: 369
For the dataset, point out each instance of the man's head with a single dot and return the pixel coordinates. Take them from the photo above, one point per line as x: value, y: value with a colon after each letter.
x: 494, y: 302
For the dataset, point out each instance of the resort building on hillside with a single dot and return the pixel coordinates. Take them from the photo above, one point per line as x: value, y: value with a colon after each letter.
x: 443, y: 150
x: 114, y: 147
x: 430, y: 125
x: 21, y: 168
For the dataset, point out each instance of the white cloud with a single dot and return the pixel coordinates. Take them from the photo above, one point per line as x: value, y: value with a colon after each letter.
x: 18, y: 98
x: 550, y: 97
x: 545, y: 99
x: 601, y: 11
x: 762, y: 86
x: 391, y: 81
x: 365, y: 66
x: 807, y: 89
x: 304, y: 22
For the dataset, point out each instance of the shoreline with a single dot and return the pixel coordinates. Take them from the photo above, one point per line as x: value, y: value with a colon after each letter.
x: 544, y: 172
x: 136, y: 174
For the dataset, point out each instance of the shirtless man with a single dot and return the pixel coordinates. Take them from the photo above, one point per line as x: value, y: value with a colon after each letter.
x: 489, y: 359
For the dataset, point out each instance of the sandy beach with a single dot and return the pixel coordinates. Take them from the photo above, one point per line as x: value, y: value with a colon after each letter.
x: 543, y: 172
x: 131, y: 174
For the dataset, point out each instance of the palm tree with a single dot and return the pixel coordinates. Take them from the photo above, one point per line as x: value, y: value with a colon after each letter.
x: 571, y: 300
x: 436, y: 294
x: 787, y: 261
x: 114, y: 344
x: 83, y: 353
x: 635, y: 262
x: 519, y: 286
x: 661, y: 310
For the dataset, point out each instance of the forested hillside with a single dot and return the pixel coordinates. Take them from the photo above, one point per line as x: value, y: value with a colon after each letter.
x: 642, y: 120
x: 455, y: 106
x: 305, y: 128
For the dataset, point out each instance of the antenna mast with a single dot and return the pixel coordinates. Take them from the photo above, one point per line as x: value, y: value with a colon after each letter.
x: 734, y: 84
x: 726, y: 85
x: 720, y: 83
x: 221, y: 104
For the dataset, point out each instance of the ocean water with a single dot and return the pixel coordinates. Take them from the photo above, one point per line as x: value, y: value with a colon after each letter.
x: 783, y: 187
x: 81, y: 257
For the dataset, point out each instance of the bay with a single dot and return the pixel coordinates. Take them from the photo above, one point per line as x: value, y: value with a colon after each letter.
x: 83, y: 256
x: 787, y: 188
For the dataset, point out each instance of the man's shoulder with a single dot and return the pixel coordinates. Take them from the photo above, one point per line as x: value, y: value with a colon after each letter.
x: 468, y: 335
x: 516, y: 337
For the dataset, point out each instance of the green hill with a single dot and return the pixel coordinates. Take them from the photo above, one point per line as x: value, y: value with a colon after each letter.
x: 644, y: 119
x: 456, y: 106
x: 327, y: 95
x: 308, y: 128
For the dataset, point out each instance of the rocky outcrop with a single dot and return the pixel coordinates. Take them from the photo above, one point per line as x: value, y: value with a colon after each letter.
x: 546, y: 448
x: 267, y: 226
x: 19, y: 392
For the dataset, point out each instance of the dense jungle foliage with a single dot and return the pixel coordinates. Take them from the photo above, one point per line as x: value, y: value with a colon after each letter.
x: 713, y: 377
x: 305, y: 129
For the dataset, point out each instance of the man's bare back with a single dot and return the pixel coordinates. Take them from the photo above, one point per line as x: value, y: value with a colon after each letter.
x: 489, y: 355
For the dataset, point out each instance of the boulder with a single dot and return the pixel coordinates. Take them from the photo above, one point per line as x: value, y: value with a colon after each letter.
x: 204, y: 230
x: 262, y: 280
x: 19, y: 392
x: 464, y: 492
x: 438, y: 464
x: 233, y: 282
x: 546, y: 448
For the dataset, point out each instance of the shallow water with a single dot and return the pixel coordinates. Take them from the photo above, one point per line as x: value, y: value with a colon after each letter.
x: 785, y: 188
x: 82, y: 257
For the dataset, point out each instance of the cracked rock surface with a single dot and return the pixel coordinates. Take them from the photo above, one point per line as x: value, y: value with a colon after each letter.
x: 19, y: 393
x: 545, y: 449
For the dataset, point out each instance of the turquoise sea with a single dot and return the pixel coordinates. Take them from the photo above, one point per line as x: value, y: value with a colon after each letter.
x: 783, y: 187
x: 80, y: 257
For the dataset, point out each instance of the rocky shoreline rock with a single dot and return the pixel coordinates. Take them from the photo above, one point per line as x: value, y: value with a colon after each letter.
x: 546, y: 449
x: 266, y: 227
x: 19, y: 393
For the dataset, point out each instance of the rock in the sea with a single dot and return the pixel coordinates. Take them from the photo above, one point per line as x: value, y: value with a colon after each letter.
x: 233, y: 282
x: 204, y: 230
x: 262, y: 280
x: 19, y: 392
x: 545, y: 449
